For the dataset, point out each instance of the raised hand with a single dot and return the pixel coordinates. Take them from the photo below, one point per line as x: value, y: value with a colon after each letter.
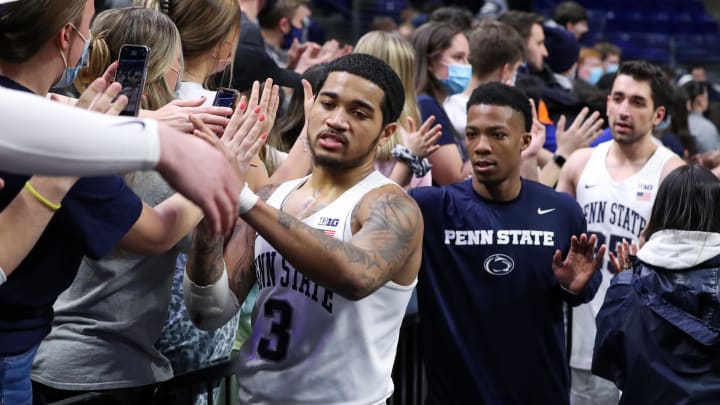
x: 176, y: 115
x: 537, y: 130
x: 623, y: 261
x: 577, y: 269
x: 315, y: 54
x: 294, y: 53
x: 102, y: 94
x: 580, y: 134
x: 422, y: 142
x: 307, y: 107
x: 269, y: 102
x: 244, y: 135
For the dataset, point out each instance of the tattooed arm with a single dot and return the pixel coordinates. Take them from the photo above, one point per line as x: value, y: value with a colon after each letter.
x: 207, y: 274
x: 386, y: 243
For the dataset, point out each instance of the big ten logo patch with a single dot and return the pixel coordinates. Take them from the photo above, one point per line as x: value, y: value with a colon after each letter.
x: 325, y: 221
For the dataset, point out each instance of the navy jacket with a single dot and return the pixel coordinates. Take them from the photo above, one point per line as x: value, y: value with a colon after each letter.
x: 659, y: 334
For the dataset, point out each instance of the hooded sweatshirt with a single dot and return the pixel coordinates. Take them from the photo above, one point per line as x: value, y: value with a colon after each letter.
x: 659, y: 328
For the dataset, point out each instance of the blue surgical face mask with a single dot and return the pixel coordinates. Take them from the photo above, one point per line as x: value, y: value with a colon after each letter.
x: 458, y: 78
x: 290, y: 36
x: 70, y: 73
x: 664, y: 124
x: 612, y: 68
x: 595, y: 74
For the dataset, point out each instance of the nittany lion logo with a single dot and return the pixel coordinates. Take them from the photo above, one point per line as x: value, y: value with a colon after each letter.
x: 499, y: 264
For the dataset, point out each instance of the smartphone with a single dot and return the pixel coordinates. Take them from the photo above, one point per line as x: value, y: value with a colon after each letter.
x: 131, y: 73
x: 225, y: 98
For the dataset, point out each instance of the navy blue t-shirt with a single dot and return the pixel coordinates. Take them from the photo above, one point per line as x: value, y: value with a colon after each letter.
x: 490, y: 306
x: 95, y: 215
x: 429, y: 106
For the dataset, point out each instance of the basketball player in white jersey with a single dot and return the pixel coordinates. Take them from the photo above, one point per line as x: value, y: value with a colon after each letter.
x: 615, y: 184
x: 336, y: 256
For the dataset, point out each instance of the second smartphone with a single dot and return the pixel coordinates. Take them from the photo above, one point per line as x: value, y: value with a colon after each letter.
x: 225, y: 98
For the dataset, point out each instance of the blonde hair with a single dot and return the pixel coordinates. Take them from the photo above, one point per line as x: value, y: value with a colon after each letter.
x: 26, y: 26
x: 400, y: 55
x: 138, y: 26
x: 203, y: 24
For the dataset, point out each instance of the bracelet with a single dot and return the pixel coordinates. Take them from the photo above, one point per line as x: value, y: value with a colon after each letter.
x: 419, y: 167
x: 41, y: 198
x: 248, y: 199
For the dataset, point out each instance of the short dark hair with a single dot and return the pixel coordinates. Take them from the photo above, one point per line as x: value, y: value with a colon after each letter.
x: 500, y: 94
x: 460, y: 17
x: 569, y: 12
x: 274, y: 11
x: 522, y: 21
x: 696, y: 66
x: 377, y: 71
x: 492, y: 45
x: 686, y: 200
x: 641, y: 70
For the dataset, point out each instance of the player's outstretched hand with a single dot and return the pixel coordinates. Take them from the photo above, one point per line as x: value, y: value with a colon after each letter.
x: 578, y: 267
x: 623, y: 261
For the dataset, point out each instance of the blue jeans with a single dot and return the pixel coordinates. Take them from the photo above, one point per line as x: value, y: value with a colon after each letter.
x: 15, y: 385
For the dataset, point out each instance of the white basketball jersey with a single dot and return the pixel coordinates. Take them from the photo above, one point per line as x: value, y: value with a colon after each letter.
x: 614, y: 211
x: 309, y: 345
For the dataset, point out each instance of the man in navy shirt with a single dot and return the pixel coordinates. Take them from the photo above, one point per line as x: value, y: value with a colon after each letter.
x: 493, y: 279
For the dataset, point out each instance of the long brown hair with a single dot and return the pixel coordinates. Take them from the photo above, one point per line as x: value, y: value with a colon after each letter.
x: 203, y: 24
x: 429, y: 41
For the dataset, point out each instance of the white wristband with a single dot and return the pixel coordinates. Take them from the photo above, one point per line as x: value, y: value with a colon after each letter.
x: 3, y: 278
x: 210, y: 306
x: 248, y: 199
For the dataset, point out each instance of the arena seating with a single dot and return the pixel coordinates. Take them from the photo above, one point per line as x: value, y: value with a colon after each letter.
x: 670, y: 32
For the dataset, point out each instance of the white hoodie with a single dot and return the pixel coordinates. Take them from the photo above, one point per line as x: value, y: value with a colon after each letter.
x: 674, y: 249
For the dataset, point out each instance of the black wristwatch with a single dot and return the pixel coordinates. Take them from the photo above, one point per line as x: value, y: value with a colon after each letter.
x: 559, y: 160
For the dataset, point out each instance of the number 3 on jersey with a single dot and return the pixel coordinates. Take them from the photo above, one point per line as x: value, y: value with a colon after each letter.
x: 279, y: 331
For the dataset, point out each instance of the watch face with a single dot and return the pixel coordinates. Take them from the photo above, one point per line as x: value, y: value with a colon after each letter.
x: 559, y: 160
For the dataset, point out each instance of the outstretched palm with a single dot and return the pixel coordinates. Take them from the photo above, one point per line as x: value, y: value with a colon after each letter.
x: 578, y: 267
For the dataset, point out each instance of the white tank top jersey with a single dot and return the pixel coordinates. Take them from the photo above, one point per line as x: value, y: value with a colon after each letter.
x: 614, y: 211
x: 309, y: 345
